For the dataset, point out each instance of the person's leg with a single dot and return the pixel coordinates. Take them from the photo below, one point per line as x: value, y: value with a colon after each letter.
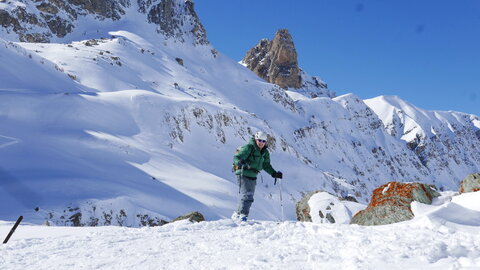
x: 247, y: 190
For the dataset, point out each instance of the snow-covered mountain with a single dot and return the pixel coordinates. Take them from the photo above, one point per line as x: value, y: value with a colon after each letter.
x: 125, y: 121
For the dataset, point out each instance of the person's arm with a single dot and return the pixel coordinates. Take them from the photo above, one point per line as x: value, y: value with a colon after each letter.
x: 267, y: 166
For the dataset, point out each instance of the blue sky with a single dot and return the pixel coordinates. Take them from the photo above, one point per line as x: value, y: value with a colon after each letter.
x: 425, y: 51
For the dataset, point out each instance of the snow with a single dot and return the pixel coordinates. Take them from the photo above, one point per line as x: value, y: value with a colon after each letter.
x: 122, y: 127
x: 437, y: 238
x: 341, y: 211
x: 120, y: 130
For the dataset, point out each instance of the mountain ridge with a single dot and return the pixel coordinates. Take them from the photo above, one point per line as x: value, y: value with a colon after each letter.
x: 64, y: 20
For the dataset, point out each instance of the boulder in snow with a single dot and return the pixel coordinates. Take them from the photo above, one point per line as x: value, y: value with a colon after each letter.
x: 471, y: 183
x: 391, y: 203
x: 192, y: 217
x: 323, y: 207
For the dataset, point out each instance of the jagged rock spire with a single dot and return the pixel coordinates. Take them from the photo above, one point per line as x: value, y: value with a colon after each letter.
x: 276, y: 60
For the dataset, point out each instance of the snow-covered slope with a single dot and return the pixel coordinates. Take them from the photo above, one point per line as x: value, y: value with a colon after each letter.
x: 141, y: 126
x: 442, y: 236
x: 18, y: 66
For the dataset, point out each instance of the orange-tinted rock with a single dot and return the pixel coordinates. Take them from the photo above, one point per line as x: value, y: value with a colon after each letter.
x: 471, y: 183
x: 391, y: 203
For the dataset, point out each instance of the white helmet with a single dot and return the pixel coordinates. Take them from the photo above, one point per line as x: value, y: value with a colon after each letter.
x: 260, y: 135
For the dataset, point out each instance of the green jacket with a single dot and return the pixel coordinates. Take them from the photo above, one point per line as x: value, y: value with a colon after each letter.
x: 255, y: 158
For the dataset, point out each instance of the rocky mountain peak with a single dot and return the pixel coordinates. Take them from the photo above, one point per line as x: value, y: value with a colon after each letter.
x: 276, y: 60
x: 51, y: 20
x: 172, y: 16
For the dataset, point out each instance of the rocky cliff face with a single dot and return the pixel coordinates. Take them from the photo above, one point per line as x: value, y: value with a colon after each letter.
x: 51, y: 20
x: 276, y: 62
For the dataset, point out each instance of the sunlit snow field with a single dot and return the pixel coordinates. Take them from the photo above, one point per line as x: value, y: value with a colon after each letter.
x: 442, y: 236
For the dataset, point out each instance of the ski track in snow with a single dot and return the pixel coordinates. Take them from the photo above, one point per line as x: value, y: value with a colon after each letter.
x: 224, y: 245
x: 7, y: 141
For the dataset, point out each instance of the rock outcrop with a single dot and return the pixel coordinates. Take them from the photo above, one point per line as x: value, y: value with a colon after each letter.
x: 391, y: 203
x: 192, y: 217
x: 322, y: 207
x: 44, y: 20
x: 302, y: 208
x: 471, y: 183
x: 276, y: 62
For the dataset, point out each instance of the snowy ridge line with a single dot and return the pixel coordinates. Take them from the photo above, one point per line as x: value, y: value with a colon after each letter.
x: 66, y: 21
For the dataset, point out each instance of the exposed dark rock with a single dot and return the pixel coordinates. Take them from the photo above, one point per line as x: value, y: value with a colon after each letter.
x: 76, y: 219
x: 349, y: 198
x: 59, y: 26
x: 7, y: 20
x: 192, y: 217
x: 171, y: 19
x: 94, y: 42
x: 198, y: 30
x: 471, y: 183
x: 56, y: 18
x: 146, y: 220
x: 215, y: 54
x: 34, y: 38
x: 179, y: 61
x: 47, y: 8
x: 391, y: 203
x: 105, y: 9
x: 330, y: 218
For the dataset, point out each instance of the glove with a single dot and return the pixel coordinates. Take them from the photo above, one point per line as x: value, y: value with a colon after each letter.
x: 278, y: 175
x: 242, y: 164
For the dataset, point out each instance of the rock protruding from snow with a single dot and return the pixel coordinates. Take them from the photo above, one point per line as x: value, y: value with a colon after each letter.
x: 471, y: 183
x: 171, y: 16
x: 192, y: 217
x: 303, y: 208
x: 276, y: 60
x: 391, y: 203
x: 323, y: 207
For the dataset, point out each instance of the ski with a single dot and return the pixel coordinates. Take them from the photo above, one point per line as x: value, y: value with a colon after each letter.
x: 20, y: 218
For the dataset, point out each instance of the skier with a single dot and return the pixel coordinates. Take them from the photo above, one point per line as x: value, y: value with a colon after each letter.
x: 248, y: 161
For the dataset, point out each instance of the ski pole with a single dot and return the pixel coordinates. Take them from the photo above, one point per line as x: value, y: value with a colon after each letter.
x: 13, y: 229
x: 281, y: 201
x: 240, y: 181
